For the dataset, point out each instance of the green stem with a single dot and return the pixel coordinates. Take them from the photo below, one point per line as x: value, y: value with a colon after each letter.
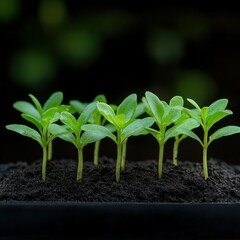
x: 96, y: 152
x: 44, y: 163
x: 175, y: 151
x: 119, y: 156
x: 50, y: 147
x: 205, y: 147
x: 80, y: 164
x: 160, y: 160
x: 118, y: 164
x: 124, y: 151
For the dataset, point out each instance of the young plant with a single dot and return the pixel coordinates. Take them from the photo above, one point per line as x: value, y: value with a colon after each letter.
x: 41, y: 117
x: 95, y: 118
x: 125, y: 123
x: 207, y: 117
x: 166, y: 117
x: 75, y: 133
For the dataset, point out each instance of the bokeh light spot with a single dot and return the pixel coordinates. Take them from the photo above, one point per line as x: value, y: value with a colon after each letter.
x: 79, y: 47
x: 32, y: 69
x: 52, y: 12
x: 196, y: 85
x: 9, y: 9
x: 165, y: 46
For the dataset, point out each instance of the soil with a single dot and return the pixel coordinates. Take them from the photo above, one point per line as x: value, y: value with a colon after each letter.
x: 139, y: 182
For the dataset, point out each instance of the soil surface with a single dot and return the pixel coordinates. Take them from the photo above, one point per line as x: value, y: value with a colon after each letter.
x: 139, y: 182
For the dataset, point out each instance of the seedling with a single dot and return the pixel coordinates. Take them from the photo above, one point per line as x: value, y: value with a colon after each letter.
x: 207, y: 117
x: 95, y: 118
x: 165, y: 115
x: 74, y: 134
x: 124, y: 122
x: 41, y: 118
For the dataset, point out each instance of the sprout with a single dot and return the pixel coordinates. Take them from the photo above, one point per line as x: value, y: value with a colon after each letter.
x: 207, y: 117
x: 41, y: 118
x: 75, y: 133
x: 165, y: 116
x: 125, y: 123
x: 95, y: 118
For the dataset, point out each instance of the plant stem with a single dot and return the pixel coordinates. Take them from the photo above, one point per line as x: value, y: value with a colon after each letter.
x: 160, y: 160
x: 96, y: 152
x: 119, y: 156
x: 124, y: 151
x: 80, y: 164
x: 50, y: 147
x: 205, y: 147
x: 175, y: 151
x: 44, y: 163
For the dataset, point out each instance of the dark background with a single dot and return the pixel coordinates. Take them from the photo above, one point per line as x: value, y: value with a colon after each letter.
x: 84, y: 48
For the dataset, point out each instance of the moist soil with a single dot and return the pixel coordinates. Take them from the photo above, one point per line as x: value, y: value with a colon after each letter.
x: 139, y: 182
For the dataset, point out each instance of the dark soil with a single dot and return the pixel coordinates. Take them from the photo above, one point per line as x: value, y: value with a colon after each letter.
x: 139, y: 182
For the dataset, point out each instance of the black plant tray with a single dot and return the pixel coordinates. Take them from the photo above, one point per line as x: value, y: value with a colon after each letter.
x: 107, y: 220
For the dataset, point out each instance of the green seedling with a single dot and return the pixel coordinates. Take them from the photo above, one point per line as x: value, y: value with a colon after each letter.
x: 75, y: 134
x: 125, y: 123
x: 207, y: 117
x: 188, y: 124
x: 41, y: 117
x: 166, y: 117
x: 95, y: 118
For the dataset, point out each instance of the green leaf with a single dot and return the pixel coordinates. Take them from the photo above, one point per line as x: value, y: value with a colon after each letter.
x: 218, y: 105
x: 33, y: 120
x: 49, y: 117
x: 154, y: 132
x: 191, y: 134
x: 120, y: 121
x: 110, y: 127
x: 56, y: 131
x: 37, y: 103
x: 194, y: 104
x: 77, y: 106
x: 217, y: 116
x: 26, y: 107
x: 69, y: 138
x: 100, y: 131
x: 204, y: 112
x: 176, y: 101
x: 139, y: 110
x: 180, y: 128
x: 155, y: 106
x: 85, y: 115
x: 137, y: 127
x: 69, y: 120
x: 100, y: 98
x: 194, y: 113
x: 146, y: 106
x: 107, y: 112
x: 225, y: 131
x: 25, y: 131
x: 128, y: 107
x: 53, y: 101
x: 172, y: 115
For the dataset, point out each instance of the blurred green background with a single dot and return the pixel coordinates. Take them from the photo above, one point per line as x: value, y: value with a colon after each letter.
x: 84, y: 48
